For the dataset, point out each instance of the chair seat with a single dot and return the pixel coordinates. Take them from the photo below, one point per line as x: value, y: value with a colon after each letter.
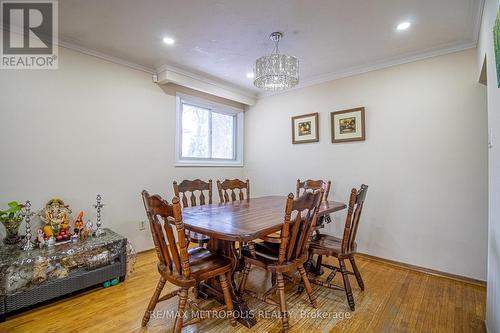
x: 275, y: 237
x: 204, y: 264
x: 328, y: 245
x: 265, y: 252
x: 197, y: 238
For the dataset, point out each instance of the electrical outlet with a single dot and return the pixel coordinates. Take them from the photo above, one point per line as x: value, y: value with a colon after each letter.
x: 142, y: 225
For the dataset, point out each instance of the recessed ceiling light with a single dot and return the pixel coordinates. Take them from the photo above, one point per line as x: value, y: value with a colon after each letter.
x: 250, y: 75
x: 168, y: 41
x: 403, y: 25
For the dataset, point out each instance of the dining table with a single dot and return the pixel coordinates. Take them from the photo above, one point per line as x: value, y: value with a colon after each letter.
x: 231, y: 224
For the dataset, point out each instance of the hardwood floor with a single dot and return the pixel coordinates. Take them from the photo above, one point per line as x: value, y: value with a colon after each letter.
x: 395, y: 300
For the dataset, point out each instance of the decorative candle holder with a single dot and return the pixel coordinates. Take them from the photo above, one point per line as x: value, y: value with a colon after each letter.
x: 99, y: 231
x: 27, y: 214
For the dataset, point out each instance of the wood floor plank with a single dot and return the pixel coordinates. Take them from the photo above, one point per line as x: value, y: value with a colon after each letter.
x: 395, y: 300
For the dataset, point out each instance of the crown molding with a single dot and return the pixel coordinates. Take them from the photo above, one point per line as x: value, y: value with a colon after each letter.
x: 476, y: 15
x: 75, y: 47
x: 182, y: 77
x: 357, y: 70
x: 167, y: 73
x: 107, y: 57
x: 208, y: 85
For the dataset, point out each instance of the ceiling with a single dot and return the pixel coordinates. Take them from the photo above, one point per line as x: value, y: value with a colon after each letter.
x: 222, y: 38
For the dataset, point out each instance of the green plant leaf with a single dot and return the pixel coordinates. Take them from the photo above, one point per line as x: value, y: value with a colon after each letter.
x: 14, y: 207
x: 12, y: 213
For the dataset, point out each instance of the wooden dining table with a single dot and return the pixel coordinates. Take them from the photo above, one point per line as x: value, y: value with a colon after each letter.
x: 228, y: 224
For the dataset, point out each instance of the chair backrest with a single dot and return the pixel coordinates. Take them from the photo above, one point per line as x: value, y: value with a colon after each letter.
x: 227, y: 190
x: 314, y: 185
x: 300, y: 220
x: 356, y: 201
x: 190, y: 187
x: 173, y: 255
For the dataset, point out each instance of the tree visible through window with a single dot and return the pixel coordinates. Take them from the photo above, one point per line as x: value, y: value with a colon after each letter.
x: 206, y: 133
x: 223, y: 135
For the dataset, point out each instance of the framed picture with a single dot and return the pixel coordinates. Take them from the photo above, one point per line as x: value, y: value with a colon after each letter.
x: 305, y: 128
x: 348, y: 125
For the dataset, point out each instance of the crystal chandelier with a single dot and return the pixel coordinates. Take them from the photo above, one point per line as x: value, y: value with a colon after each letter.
x: 276, y: 71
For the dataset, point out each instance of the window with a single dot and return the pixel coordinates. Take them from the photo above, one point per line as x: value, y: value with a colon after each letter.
x: 208, y: 134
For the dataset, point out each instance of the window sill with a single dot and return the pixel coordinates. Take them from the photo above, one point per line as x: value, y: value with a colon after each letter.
x: 237, y: 164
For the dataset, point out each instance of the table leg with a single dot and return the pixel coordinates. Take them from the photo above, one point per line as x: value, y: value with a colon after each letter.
x: 212, y: 288
x: 318, y: 268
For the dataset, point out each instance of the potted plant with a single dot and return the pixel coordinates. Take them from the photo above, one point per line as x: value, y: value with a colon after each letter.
x: 11, y: 219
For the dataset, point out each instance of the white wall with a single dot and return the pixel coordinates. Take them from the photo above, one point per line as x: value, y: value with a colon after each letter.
x: 90, y: 127
x: 97, y: 127
x: 425, y: 158
x: 486, y: 48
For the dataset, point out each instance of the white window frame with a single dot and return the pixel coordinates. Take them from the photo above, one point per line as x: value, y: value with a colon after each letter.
x: 237, y: 161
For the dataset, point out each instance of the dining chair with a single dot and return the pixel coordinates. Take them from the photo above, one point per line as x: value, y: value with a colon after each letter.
x: 342, y: 248
x: 179, y: 265
x: 286, y: 254
x: 314, y: 185
x: 187, y: 191
x: 231, y: 190
x: 227, y: 189
x: 302, y: 187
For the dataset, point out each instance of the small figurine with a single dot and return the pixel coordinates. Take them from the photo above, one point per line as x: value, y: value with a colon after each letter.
x: 89, y: 226
x: 75, y: 238
x: 87, y: 231
x: 41, y: 239
x: 84, y: 234
x: 78, y: 225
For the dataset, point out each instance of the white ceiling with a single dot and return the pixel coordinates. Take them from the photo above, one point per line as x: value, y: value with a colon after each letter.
x: 222, y: 38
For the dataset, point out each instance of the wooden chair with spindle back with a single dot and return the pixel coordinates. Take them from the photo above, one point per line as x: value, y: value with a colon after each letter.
x: 227, y: 193
x: 187, y: 191
x: 304, y: 187
x: 288, y: 253
x: 179, y: 265
x: 314, y: 185
x: 342, y: 248
x: 227, y: 189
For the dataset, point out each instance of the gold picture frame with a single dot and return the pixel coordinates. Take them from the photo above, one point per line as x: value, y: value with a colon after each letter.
x: 348, y: 125
x: 305, y: 128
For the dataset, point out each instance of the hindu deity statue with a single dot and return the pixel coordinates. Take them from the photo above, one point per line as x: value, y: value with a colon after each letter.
x: 55, y: 217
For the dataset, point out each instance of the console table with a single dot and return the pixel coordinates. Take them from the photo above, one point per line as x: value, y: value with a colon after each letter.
x: 28, y: 278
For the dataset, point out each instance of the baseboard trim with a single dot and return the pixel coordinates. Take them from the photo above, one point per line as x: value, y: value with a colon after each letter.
x: 425, y: 270
x: 146, y: 251
x: 403, y: 265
